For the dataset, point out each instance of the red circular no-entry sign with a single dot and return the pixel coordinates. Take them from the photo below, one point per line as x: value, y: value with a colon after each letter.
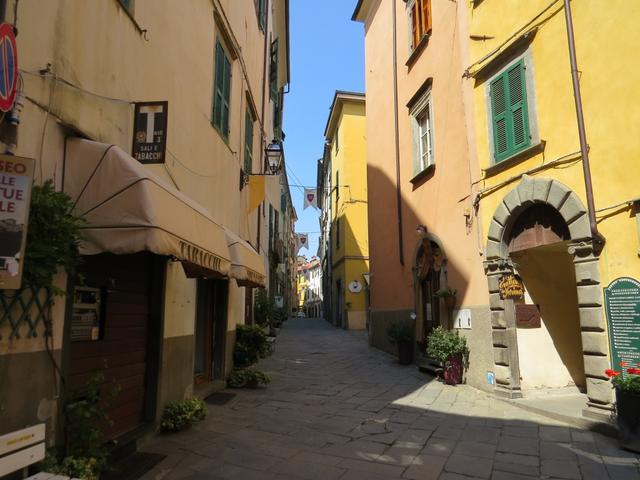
x: 8, y: 67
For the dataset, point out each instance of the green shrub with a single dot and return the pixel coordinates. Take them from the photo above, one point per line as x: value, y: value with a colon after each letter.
x: 264, y: 308
x: 400, y: 332
x: 182, y: 414
x: 247, y: 377
x: 251, y: 344
x: 443, y: 344
x: 85, y: 468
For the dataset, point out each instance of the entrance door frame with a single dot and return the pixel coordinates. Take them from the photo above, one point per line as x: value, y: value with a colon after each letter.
x: 590, y: 298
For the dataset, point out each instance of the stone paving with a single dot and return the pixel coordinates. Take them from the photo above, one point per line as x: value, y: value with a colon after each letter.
x: 338, y: 409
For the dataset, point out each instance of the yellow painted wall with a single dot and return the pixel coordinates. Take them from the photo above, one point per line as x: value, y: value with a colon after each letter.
x: 101, y: 61
x: 604, y: 45
x: 348, y: 151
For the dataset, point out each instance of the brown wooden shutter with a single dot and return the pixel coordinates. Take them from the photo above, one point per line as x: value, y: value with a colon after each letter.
x: 415, y: 25
x: 426, y: 16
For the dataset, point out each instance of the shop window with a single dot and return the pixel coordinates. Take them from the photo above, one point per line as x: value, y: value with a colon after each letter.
x: 221, y: 91
x: 509, y: 106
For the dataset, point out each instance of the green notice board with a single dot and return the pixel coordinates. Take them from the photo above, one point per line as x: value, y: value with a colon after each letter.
x: 622, y: 301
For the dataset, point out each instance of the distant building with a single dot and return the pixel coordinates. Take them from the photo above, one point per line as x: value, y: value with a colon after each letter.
x: 342, y: 191
x: 310, y: 287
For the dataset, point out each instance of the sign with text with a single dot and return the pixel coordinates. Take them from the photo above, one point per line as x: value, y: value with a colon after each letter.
x: 510, y: 286
x: 150, y: 132
x: 16, y: 176
x: 622, y: 301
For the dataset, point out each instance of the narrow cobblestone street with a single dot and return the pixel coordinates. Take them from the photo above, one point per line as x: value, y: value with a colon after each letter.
x: 338, y: 409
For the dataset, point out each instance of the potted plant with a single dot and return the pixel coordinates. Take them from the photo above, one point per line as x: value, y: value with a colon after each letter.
x: 627, y: 387
x: 450, y: 349
x: 247, y: 378
x: 401, y: 334
x: 448, y: 294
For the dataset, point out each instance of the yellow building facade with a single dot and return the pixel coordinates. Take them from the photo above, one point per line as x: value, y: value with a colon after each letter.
x: 346, y: 191
x: 175, y: 249
x: 532, y: 198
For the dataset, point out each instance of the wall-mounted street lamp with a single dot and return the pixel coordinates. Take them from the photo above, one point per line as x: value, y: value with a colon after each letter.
x: 273, y: 160
x: 274, y: 156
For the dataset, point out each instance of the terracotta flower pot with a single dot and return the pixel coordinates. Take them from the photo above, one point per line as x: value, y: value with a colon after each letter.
x: 453, y: 370
x: 628, y: 416
x: 405, y: 353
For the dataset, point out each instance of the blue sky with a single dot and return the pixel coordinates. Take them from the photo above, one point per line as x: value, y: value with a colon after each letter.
x: 327, y: 54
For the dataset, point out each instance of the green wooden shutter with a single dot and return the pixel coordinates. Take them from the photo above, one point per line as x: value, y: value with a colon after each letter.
x: 510, y: 117
x: 518, y: 107
x: 226, y: 96
x: 217, y: 88
x: 273, y: 70
x: 248, y: 142
x: 499, y: 111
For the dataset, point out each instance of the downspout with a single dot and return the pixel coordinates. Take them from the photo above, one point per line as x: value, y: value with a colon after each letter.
x: 262, y: 130
x: 397, y: 135
x: 598, y: 239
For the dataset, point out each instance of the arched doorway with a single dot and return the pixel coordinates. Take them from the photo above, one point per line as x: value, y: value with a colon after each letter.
x: 508, y: 232
x: 428, y: 272
x: 547, y: 315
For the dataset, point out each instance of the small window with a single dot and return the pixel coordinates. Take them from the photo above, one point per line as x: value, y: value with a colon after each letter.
x: 248, y: 142
x: 221, y: 91
x: 337, y: 187
x: 509, y: 112
x: 338, y: 233
x: 261, y: 12
x: 419, y: 21
x: 422, y: 126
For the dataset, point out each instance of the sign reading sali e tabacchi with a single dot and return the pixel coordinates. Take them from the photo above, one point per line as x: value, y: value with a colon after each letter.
x: 622, y: 301
x: 16, y: 174
x: 150, y: 132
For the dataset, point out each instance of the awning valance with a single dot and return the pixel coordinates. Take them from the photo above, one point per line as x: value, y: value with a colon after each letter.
x: 128, y: 209
x: 247, y: 266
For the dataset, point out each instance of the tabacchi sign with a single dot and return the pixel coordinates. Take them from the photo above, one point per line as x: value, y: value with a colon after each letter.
x: 150, y: 132
x: 16, y: 174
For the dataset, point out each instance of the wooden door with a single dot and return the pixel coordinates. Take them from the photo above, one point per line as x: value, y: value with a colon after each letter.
x: 120, y: 345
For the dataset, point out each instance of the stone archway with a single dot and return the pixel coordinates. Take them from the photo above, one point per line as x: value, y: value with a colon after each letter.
x: 593, y: 330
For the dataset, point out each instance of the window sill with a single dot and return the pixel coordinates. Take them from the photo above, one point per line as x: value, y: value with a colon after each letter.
x: 423, y: 174
x: 418, y: 50
x: 514, y: 159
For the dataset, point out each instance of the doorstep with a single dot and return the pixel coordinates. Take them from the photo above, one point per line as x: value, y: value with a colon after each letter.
x: 564, y: 407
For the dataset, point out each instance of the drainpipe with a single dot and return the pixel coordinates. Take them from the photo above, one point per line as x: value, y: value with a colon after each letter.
x: 598, y: 239
x: 397, y: 135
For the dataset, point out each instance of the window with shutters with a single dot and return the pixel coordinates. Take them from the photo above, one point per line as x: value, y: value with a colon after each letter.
x: 273, y: 71
x: 423, y: 138
x: 509, y: 112
x: 221, y: 91
x: 419, y: 21
x: 248, y: 142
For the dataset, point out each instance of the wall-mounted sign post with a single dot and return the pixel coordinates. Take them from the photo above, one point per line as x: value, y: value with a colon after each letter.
x: 16, y: 176
x: 510, y: 286
x: 150, y: 132
x: 622, y: 301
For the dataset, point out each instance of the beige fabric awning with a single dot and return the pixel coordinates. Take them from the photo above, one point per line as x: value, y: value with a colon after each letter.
x: 247, y: 266
x: 130, y: 210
